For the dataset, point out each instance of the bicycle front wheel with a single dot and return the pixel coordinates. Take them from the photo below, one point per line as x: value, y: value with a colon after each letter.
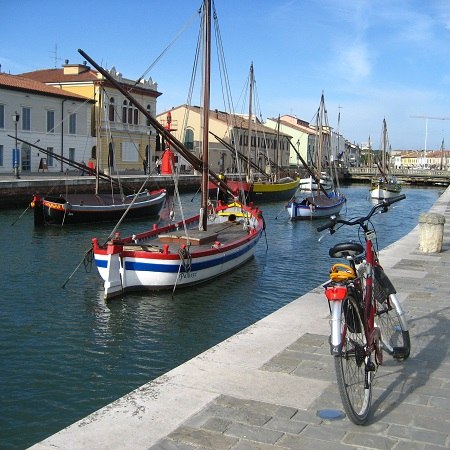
x: 391, y: 320
x: 352, y: 364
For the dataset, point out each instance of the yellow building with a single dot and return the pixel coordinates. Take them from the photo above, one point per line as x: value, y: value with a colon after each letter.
x: 266, y: 147
x: 125, y: 139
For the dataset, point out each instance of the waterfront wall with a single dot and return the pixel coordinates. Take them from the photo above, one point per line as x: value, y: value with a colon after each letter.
x: 19, y: 192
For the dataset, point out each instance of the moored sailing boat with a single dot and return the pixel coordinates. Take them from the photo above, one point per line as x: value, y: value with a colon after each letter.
x: 385, y: 185
x: 76, y: 208
x: 217, y: 240
x: 321, y: 202
x: 261, y: 184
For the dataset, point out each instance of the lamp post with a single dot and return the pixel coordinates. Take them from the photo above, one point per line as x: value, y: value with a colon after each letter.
x: 16, y: 118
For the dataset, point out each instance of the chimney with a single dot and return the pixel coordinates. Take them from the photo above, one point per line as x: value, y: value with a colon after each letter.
x: 75, y: 69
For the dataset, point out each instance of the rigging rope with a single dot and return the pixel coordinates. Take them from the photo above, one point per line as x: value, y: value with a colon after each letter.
x: 128, y: 208
x: 182, y: 30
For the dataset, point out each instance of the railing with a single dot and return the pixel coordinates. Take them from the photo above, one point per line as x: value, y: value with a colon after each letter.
x: 406, y: 175
x: 397, y: 172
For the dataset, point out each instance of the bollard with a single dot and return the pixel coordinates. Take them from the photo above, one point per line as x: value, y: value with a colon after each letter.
x: 431, y: 230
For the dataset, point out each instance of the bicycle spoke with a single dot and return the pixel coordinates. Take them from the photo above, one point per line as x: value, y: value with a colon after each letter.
x: 351, y: 365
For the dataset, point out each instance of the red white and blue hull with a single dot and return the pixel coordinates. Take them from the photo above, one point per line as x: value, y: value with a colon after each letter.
x: 161, y: 259
x: 316, y: 207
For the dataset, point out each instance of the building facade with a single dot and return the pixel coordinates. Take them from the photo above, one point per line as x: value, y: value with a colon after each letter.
x: 55, y: 120
x: 261, y: 144
x: 125, y: 140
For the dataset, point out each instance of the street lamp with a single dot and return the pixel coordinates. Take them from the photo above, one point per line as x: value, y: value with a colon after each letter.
x: 16, y: 118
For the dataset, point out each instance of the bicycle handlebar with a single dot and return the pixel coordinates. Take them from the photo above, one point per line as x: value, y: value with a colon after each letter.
x: 359, y: 221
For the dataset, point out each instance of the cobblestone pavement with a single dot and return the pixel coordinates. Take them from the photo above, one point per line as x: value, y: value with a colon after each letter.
x: 411, y: 399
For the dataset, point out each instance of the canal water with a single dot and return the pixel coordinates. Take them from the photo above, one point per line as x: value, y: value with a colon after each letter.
x: 66, y: 353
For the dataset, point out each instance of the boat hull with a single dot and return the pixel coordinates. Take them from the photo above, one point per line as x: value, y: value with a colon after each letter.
x: 382, y: 190
x: 261, y: 192
x: 315, y: 210
x: 309, y: 185
x: 160, y: 259
x: 86, y: 208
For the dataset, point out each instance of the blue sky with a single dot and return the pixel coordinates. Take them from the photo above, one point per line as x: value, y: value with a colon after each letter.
x: 371, y: 58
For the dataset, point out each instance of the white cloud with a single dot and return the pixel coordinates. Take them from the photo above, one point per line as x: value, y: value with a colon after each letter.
x: 354, y: 63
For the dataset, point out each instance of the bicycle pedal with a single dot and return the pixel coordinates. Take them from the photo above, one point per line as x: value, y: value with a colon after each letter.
x: 400, y: 352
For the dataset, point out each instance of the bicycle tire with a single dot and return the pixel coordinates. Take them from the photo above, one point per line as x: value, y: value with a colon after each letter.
x: 391, y: 320
x: 350, y: 365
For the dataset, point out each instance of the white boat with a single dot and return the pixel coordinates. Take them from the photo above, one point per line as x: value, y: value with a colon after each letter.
x: 309, y: 185
x: 217, y: 240
x: 321, y: 202
x: 386, y: 185
x: 316, y: 207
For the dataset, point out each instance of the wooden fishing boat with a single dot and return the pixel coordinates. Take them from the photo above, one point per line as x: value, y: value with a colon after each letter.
x: 70, y: 208
x: 217, y: 240
x: 321, y: 202
x: 88, y: 208
x: 316, y: 206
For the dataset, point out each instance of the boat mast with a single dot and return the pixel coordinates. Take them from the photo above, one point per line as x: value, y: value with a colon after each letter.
x: 383, y: 154
x: 206, y: 105
x: 97, y: 139
x: 250, y: 113
x: 320, y: 136
x: 278, y: 150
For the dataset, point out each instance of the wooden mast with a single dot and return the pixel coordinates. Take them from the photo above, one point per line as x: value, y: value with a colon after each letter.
x: 177, y: 145
x: 319, y: 150
x: 206, y: 104
x: 383, y: 153
x: 250, y: 113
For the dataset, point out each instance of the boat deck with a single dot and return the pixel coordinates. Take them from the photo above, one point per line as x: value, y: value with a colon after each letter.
x: 216, y: 235
x: 97, y: 199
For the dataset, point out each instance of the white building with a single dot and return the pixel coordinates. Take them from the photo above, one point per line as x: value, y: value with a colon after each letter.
x: 55, y: 120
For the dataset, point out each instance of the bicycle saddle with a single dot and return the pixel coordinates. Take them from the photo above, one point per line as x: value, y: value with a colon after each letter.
x: 345, y: 249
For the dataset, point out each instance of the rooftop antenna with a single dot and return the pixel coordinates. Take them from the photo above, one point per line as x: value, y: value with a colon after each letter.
x: 55, y: 55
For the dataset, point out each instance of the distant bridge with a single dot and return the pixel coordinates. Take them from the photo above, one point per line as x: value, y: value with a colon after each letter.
x: 407, y: 176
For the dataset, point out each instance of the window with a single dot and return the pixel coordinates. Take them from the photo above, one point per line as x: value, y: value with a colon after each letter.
x: 73, y: 124
x: 149, y: 110
x: 50, y: 156
x: 26, y: 119
x: 50, y: 121
x: 189, y: 139
x: 136, y: 116
x: 2, y: 116
x: 72, y: 153
x: 1, y: 155
x: 111, y: 110
x: 130, y: 113
x: 124, y: 111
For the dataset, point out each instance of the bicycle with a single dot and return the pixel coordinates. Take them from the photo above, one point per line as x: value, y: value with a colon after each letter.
x: 366, y: 315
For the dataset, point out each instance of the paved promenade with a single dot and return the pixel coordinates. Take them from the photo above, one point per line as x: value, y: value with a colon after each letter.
x: 262, y: 388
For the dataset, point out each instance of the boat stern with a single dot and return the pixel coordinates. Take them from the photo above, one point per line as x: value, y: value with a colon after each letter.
x: 109, y: 266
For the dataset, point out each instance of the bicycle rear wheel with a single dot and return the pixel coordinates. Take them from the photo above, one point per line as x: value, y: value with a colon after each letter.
x: 353, y: 377
x: 391, y: 320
